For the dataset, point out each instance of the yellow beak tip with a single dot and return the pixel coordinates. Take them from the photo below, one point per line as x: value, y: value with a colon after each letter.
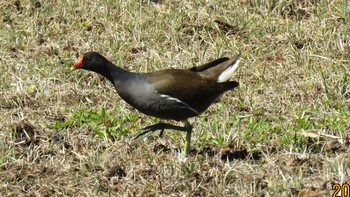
x: 72, y: 68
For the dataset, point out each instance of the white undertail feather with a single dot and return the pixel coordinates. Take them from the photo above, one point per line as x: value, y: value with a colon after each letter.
x: 179, y: 101
x: 228, y: 73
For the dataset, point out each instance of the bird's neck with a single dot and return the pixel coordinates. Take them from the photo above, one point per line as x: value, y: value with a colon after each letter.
x: 115, y: 75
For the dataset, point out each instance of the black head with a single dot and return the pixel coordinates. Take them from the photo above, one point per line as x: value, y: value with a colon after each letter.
x: 91, y: 61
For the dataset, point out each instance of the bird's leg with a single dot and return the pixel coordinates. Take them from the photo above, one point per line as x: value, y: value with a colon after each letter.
x: 161, y: 126
x: 161, y: 134
x: 188, y: 128
x: 152, y: 128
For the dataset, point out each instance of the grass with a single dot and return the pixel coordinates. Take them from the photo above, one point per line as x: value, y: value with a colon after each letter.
x: 283, y: 132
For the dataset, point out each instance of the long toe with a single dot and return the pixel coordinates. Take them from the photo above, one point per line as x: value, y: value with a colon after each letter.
x: 142, y: 133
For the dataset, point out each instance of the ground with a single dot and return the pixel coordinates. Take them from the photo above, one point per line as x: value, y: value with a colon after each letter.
x: 283, y: 132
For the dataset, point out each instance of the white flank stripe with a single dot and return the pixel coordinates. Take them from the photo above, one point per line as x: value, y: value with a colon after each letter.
x: 228, y: 73
x: 179, y: 101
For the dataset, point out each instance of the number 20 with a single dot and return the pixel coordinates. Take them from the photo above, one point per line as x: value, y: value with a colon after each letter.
x: 344, y: 188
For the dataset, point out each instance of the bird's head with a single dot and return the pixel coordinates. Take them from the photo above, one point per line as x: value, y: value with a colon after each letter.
x: 90, y: 61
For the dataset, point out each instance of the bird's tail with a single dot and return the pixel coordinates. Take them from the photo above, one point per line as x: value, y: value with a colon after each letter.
x: 223, y: 71
x: 228, y: 72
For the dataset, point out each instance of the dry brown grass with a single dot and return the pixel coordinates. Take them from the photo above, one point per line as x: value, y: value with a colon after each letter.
x: 294, y: 78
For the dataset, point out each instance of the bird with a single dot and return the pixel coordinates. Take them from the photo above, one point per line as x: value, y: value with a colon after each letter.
x: 170, y: 94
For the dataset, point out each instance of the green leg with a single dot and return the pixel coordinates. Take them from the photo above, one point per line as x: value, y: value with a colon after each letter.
x: 187, y: 147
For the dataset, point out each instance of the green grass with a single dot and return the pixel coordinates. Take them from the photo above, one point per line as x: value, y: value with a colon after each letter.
x: 64, y: 133
x: 103, y: 124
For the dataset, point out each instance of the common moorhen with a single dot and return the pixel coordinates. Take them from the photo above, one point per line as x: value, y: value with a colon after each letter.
x: 167, y: 94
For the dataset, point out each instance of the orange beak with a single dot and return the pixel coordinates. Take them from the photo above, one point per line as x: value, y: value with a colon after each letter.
x: 78, y: 64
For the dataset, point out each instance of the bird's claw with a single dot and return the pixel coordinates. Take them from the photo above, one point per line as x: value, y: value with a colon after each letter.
x: 142, y: 133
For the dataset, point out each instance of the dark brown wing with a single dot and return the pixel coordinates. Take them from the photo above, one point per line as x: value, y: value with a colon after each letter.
x: 188, y: 87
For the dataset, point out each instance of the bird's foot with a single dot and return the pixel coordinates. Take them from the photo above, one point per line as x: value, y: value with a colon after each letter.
x: 142, y: 133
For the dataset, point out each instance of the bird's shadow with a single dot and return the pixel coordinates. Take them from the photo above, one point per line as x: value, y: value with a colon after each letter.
x: 226, y: 154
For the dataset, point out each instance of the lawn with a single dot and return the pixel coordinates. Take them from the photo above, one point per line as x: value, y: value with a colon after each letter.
x: 283, y: 132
